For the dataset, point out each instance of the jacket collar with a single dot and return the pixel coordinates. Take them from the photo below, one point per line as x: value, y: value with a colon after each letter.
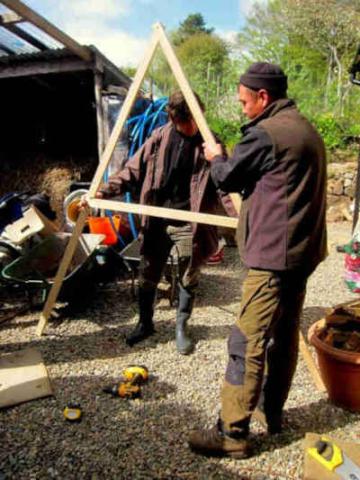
x: 270, y: 111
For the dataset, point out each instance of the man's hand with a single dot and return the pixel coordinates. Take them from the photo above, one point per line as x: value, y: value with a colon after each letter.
x: 212, y: 150
x: 84, y: 203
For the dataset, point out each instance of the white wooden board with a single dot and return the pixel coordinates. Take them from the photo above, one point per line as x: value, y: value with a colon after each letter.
x: 23, y: 377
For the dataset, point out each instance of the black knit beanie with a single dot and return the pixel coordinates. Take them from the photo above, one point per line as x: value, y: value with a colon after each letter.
x: 265, y: 75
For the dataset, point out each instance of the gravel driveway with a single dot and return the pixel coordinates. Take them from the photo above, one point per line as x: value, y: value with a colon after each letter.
x: 146, y: 438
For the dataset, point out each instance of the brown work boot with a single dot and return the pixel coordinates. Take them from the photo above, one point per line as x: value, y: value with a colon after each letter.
x: 213, y: 442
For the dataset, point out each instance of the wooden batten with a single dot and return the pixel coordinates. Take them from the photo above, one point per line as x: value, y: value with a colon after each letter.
x: 161, y: 212
x: 124, y: 113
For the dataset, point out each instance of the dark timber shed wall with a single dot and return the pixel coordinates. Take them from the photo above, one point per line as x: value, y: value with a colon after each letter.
x: 52, y: 124
x: 50, y: 102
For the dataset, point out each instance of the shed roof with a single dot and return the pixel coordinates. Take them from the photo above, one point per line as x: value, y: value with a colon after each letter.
x: 18, y: 36
x: 26, y: 36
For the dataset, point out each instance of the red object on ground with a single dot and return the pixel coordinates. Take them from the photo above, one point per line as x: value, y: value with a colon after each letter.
x: 218, y: 257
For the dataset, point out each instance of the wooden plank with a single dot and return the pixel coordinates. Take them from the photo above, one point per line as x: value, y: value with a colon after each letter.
x: 19, y: 32
x: 189, y: 95
x: 124, y: 113
x: 10, y: 18
x: 23, y: 377
x: 160, y: 212
x: 43, y: 68
x: 60, y: 274
x: 310, y: 363
x: 31, y: 16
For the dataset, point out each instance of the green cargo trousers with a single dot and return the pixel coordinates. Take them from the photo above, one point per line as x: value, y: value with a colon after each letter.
x: 263, y: 348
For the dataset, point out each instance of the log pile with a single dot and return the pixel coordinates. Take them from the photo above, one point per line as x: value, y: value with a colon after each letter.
x: 342, y: 328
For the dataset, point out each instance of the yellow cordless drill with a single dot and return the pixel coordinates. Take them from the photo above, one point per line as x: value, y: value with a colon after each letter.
x: 129, y: 386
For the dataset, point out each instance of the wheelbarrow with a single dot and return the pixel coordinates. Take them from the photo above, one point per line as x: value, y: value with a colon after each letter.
x: 36, y: 269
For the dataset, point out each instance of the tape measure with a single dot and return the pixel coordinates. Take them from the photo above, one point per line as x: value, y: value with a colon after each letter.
x: 72, y: 412
x: 333, y: 459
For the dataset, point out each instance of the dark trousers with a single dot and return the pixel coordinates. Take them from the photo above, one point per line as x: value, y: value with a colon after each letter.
x: 263, y: 347
x: 155, y: 252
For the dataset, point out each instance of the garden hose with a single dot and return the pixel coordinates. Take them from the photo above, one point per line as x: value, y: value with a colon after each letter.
x: 142, y: 127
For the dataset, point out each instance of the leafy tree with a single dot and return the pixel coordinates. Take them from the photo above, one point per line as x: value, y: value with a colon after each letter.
x: 330, y: 28
x: 204, y: 57
x: 193, y: 24
x: 129, y: 71
x: 315, y: 43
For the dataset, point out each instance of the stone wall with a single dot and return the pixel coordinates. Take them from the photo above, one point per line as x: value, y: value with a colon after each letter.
x: 341, y: 191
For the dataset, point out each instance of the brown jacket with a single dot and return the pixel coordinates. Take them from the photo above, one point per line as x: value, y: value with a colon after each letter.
x: 280, y: 168
x: 146, y: 168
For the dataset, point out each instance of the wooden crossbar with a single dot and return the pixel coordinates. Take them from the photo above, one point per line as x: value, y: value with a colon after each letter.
x: 161, y: 212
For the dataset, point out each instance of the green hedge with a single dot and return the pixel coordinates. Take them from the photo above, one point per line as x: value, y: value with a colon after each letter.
x: 228, y: 131
x: 338, y: 133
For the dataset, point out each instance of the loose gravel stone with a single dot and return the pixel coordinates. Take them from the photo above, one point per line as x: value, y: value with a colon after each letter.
x: 147, y: 438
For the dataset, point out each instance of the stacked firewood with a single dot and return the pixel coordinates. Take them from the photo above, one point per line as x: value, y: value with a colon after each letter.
x: 342, y: 329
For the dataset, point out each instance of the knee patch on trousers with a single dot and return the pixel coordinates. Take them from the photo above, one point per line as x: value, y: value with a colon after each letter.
x: 237, y: 344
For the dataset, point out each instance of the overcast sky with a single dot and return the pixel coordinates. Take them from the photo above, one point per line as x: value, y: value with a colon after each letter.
x: 122, y: 28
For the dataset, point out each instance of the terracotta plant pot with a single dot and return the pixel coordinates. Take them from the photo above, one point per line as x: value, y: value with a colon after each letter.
x: 339, y: 369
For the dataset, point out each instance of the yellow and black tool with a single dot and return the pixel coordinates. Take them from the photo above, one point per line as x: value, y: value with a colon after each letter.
x: 129, y: 386
x: 72, y: 412
x: 123, y: 390
x: 136, y: 374
x: 333, y: 459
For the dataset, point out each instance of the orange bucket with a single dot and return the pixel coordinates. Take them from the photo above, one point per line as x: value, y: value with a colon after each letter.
x: 103, y: 226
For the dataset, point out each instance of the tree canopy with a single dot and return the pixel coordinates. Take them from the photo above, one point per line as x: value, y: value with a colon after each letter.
x: 314, y: 42
x: 193, y: 24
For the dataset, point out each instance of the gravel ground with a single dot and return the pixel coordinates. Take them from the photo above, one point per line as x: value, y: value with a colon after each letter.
x: 146, y: 438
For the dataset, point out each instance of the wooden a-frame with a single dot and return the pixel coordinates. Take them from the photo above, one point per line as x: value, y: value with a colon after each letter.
x: 159, y: 38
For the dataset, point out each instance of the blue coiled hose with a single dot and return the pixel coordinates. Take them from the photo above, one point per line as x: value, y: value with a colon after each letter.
x: 141, y: 127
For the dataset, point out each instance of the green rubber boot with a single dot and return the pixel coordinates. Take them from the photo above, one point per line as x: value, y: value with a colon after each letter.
x: 184, y: 343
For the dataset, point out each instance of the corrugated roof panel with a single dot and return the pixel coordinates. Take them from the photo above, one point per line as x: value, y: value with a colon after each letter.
x: 40, y: 35
x: 46, y: 55
x: 14, y: 43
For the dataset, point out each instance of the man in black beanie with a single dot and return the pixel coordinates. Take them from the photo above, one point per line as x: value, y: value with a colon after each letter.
x: 279, y: 169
